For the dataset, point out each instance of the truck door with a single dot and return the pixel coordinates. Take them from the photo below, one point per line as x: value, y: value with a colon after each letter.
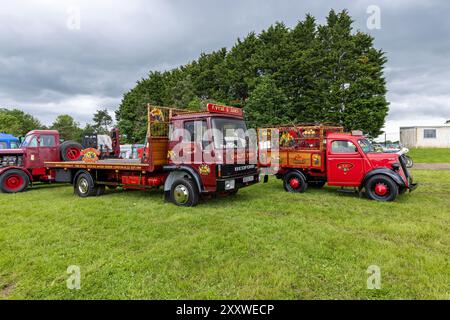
x: 32, y: 151
x: 194, y: 140
x: 196, y: 144
x: 48, y: 148
x: 345, y: 164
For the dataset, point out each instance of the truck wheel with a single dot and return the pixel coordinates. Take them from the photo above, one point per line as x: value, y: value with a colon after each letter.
x: 409, y: 162
x: 85, y: 186
x: 100, y: 190
x: 184, y: 193
x: 294, y: 182
x: 71, y: 151
x: 13, y: 181
x: 381, y: 188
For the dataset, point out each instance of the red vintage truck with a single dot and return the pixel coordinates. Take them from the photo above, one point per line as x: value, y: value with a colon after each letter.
x: 20, y: 168
x: 185, y: 166
x: 315, y: 155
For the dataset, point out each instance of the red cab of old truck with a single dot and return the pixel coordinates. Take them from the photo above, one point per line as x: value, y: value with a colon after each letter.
x: 19, y: 168
x: 315, y: 155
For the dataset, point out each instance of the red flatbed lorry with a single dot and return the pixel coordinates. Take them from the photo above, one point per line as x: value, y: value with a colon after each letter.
x: 315, y: 155
x: 185, y: 175
x: 20, y: 168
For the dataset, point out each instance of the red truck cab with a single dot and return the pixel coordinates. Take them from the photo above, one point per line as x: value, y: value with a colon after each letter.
x: 21, y: 167
x: 318, y: 155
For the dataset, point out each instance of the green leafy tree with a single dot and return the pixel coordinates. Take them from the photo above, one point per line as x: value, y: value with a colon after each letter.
x: 88, y: 130
x: 102, y: 121
x: 183, y: 92
x: 267, y: 104
x: 320, y: 73
x: 68, y: 128
x: 17, y: 122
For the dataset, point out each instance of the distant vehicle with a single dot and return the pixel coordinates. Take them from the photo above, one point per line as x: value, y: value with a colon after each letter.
x: 8, y: 141
x: 20, y: 168
x: 131, y: 151
x: 107, y: 145
x: 399, y: 149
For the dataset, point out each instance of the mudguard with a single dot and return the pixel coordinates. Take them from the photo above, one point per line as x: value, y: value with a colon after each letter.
x: 297, y: 171
x: 75, y: 177
x: 182, y: 168
x: 3, y: 170
x: 387, y: 172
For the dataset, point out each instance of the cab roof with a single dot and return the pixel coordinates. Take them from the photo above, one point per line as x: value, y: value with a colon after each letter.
x: 52, y: 132
x: 337, y: 135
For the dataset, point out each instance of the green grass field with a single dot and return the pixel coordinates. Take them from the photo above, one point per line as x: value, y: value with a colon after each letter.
x: 430, y: 155
x: 261, y: 244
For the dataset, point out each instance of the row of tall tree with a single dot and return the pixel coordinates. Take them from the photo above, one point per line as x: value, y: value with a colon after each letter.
x: 18, y: 123
x: 308, y: 73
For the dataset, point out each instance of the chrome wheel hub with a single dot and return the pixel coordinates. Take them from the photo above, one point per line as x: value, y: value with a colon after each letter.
x: 181, y: 194
x: 83, y: 186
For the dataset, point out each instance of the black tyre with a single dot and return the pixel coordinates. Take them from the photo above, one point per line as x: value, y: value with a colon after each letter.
x: 100, y: 188
x: 85, y: 186
x: 381, y: 188
x: 409, y: 161
x: 13, y: 181
x: 316, y: 184
x: 71, y: 151
x: 294, y: 182
x: 184, y: 193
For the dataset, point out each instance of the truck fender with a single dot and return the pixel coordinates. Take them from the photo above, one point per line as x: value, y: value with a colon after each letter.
x: 3, y: 170
x: 177, y: 172
x: 75, y: 176
x: 387, y: 172
x: 297, y: 171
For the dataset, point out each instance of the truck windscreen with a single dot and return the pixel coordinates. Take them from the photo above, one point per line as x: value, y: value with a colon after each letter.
x: 365, y: 145
x: 229, y: 133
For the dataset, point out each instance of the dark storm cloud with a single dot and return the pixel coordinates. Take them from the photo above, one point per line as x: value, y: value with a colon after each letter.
x: 47, y: 68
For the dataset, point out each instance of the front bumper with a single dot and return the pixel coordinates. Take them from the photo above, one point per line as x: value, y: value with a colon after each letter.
x: 238, y: 182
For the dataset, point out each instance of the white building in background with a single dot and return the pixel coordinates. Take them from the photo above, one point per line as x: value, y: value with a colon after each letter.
x: 425, y: 137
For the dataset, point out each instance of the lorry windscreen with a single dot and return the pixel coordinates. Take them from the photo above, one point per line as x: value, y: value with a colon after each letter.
x: 229, y: 133
x: 29, y: 141
x: 365, y: 145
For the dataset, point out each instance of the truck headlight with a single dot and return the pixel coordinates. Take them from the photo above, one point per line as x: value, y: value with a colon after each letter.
x: 229, y: 184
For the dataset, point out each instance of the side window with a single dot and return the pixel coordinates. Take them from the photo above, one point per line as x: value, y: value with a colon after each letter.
x: 33, y: 142
x: 429, y: 133
x: 343, y: 146
x: 194, y: 130
x: 47, y: 141
x: 3, y: 145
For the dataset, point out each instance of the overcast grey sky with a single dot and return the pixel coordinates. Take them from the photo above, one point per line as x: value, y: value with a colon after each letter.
x: 49, y: 66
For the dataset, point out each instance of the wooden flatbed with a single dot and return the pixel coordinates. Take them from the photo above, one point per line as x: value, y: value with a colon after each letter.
x: 114, y: 164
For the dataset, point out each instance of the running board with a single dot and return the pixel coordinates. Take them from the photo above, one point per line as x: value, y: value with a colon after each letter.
x: 348, y: 191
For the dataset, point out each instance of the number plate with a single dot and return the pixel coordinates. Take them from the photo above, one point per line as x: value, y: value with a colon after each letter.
x: 248, y: 179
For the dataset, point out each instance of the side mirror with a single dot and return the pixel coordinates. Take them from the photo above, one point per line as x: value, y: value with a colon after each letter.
x: 205, y: 144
